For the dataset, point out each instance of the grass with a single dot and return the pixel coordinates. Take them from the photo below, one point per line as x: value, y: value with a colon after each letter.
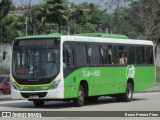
x: 158, y: 73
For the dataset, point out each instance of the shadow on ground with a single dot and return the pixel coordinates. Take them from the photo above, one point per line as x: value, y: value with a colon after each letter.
x: 60, y: 104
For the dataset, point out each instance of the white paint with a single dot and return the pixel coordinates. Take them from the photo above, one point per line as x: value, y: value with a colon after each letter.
x: 130, y: 71
x: 87, y: 73
x: 106, y: 40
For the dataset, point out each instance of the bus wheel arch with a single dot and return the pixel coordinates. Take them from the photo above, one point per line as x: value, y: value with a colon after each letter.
x: 82, y: 93
x: 84, y: 83
x: 131, y: 81
x: 128, y: 94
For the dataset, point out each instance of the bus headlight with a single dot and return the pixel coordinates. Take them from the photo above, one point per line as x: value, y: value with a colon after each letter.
x: 14, y: 85
x: 55, y: 84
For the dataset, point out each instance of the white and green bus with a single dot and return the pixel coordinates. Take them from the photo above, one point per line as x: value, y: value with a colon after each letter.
x: 80, y: 67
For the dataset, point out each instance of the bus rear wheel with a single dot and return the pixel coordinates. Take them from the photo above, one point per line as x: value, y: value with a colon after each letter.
x: 127, y: 96
x: 38, y: 103
x: 79, y: 101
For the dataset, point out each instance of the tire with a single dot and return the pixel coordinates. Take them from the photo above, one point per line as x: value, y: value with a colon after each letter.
x: 1, y: 92
x: 79, y: 101
x: 127, y: 96
x: 38, y: 103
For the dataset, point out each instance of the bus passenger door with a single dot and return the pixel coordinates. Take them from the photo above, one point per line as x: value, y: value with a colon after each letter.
x: 69, y: 69
x: 97, y: 81
x: 107, y: 69
x: 120, y: 65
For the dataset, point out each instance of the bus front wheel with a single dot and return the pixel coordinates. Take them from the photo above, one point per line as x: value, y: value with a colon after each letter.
x: 79, y: 101
x: 127, y: 96
x: 38, y: 103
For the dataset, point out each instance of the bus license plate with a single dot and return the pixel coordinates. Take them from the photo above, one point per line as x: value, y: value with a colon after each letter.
x: 33, y: 97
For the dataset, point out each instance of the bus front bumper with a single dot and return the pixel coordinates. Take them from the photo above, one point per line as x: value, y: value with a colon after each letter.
x: 57, y: 93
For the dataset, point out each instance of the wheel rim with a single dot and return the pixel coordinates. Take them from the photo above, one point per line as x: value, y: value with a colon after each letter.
x: 81, y: 96
x: 129, y: 93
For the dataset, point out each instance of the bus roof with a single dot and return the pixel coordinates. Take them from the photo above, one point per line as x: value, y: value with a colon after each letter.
x: 57, y: 35
x: 103, y: 35
x: 52, y: 35
x: 92, y: 37
x: 106, y: 40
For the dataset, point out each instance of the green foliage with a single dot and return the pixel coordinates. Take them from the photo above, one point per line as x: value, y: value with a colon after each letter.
x: 55, y: 13
x: 12, y: 27
x: 87, y: 17
x: 38, y: 15
x: 4, y: 8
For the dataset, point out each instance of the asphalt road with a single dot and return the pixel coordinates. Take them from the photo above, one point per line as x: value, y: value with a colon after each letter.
x: 148, y: 101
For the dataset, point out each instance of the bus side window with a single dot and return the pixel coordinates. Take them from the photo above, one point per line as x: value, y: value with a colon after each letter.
x: 81, y: 54
x: 131, y: 55
x: 68, y: 56
x: 110, y: 54
x: 65, y: 58
x: 149, y: 55
x: 71, y: 57
x: 151, y: 59
x: 104, y: 54
x: 94, y: 54
x: 107, y: 55
x: 115, y: 54
x: 122, y: 55
x: 140, y: 55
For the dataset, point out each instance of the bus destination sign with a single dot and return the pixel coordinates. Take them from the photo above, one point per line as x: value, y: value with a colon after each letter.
x: 43, y: 42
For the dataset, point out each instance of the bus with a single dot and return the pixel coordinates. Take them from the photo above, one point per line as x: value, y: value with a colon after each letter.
x: 80, y: 67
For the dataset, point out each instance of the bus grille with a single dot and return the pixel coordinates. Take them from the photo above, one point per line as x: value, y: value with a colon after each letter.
x: 40, y: 94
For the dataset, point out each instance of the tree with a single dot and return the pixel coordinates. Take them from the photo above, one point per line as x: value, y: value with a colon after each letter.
x: 4, y: 9
x: 29, y: 17
x: 40, y: 19
x: 145, y: 15
x: 12, y: 27
x: 55, y: 13
x: 88, y: 17
x: 118, y: 16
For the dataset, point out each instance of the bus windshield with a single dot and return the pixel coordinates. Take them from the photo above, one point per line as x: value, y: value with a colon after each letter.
x: 35, y: 63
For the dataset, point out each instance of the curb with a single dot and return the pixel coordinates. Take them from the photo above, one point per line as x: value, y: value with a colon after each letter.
x: 156, y: 88
x: 5, y: 97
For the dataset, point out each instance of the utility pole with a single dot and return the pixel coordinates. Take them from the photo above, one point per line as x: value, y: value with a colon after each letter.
x: 26, y: 22
x: 68, y: 30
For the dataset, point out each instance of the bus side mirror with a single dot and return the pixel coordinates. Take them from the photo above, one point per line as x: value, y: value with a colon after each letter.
x: 4, y: 55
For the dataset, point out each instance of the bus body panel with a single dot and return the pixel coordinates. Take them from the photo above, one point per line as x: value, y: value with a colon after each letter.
x: 106, y: 81
x: 145, y: 77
